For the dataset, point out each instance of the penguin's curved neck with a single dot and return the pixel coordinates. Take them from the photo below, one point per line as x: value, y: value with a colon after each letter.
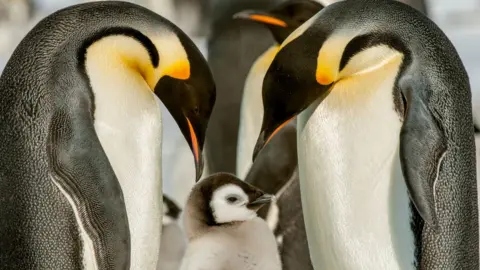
x: 357, y: 210
x: 127, y: 120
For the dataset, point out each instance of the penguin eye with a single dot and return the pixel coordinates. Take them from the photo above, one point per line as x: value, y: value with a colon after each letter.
x: 232, y: 199
x: 196, y: 110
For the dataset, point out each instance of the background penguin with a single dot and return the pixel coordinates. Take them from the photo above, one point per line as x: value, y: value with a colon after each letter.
x: 173, y: 242
x: 223, y: 229
x: 281, y: 21
x: 275, y: 169
x: 80, y: 135
x: 233, y: 46
x: 385, y: 136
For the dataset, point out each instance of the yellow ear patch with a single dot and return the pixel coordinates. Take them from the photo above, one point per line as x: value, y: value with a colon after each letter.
x: 324, y: 76
x: 178, y: 70
x: 326, y: 72
x: 328, y: 60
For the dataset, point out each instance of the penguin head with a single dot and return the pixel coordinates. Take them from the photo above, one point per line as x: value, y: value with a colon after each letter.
x: 171, y: 211
x: 227, y: 199
x: 187, y: 89
x: 327, y: 50
x: 285, y: 18
x: 164, y: 61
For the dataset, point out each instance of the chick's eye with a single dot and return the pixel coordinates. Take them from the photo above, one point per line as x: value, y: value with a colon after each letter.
x: 232, y: 199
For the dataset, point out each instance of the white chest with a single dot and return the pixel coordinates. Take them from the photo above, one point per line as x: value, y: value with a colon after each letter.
x: 354, y: 198
x: 251, y: 112
x: 128, y: 124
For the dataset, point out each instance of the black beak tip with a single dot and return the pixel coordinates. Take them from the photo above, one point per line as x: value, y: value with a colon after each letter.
x: 262, y: 200
x: 198, y: 170
x: 259, y: 146
x: 243, y: 14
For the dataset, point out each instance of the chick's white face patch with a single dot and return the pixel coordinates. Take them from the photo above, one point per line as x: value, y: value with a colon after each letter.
x: 229, y: 203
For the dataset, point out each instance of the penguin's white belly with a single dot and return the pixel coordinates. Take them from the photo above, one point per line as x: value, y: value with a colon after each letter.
x: 251, y: 112
x: 354, y: 198
x: 130, y: 133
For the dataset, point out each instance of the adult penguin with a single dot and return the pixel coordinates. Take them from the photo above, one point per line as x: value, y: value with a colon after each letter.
x: 385, y: 138
x: 282, y: 20
x: 80, y: 135
x: 233, y: 46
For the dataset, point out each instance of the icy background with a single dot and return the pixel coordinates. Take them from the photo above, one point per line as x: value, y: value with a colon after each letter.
x: 459, y: 19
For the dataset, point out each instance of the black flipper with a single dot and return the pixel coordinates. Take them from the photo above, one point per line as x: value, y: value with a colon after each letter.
x: 422, y: 146
x: 81, y: 168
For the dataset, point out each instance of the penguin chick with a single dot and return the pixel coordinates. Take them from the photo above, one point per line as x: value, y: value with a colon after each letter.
x: 173, y: 243
x: 171, y: 211
x: 223, y: 229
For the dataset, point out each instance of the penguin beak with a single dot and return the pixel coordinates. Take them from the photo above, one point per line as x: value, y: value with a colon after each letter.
x: 261, y: 201
x: 177, y: 98
x: 196, y: 148
x: 261, y: 17
x: 266, y: 136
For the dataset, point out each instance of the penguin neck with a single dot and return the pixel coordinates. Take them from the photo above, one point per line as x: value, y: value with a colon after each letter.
x: 356, y: 205
x: 251, y: 112
x: 127, y: 121
x: 198, y: 218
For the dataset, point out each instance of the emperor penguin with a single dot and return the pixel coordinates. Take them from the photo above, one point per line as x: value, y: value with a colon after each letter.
x: 232, y: 48
x: 223, y: 229
x: 281, y: 21
x: 80, y: 136
x: 385, y: 138
x: 173, y: 243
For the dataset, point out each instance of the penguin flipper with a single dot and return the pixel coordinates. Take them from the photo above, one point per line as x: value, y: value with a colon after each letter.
x: 422, y: 147
x: 82, y: 172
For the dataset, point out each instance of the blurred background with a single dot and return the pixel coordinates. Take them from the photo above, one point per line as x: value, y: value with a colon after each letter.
x: 459, y: 19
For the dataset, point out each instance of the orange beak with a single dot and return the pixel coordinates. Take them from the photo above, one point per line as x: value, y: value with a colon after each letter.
x: 196, y: 151
x: 262, y: 142
x: 261, y: 17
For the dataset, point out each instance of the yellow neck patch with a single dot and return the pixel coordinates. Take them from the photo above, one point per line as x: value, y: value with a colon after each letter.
x: 266, y: 59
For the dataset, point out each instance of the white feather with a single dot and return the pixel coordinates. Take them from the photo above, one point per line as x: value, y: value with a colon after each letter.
x: 88, y: 252
x: 225, y: 212
x: 251, y: 111
x: 248, y: 245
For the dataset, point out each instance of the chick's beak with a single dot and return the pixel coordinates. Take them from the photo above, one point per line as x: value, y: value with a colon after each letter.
x: 262, y: 200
